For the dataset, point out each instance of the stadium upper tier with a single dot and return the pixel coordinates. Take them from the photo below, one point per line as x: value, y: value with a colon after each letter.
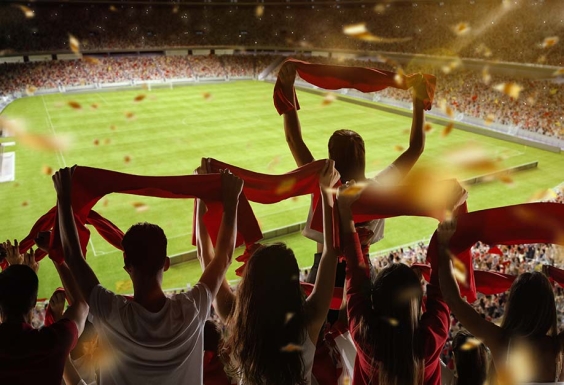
x: 497, y: 30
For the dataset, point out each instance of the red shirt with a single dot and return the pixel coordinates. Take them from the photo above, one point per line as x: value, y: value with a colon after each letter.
x: 433, y: 326
x: 35, y: 356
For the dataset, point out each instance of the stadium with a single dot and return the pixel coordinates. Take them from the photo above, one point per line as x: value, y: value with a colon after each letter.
x: 149, y: 88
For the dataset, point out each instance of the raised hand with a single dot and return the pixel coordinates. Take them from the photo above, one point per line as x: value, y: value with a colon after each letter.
x: 57, y: 304
x: 29, y: 260
x: 63, y: 182
x: 445, y: 231
x: 287, y: 74
x: 13, y: 256
x: 203, y: 168
x: 42, y: 240
x: 231, y: 187
x: 328, y: 175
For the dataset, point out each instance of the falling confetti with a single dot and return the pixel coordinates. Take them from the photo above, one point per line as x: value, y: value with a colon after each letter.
x: 554, y: 91
x: 292, y: 348
x: 391, y: 321
x: 28, y: 12
x: 127, y: 159
x: 105, y: 202
x: 139, y: 98
x: 30, y: 90
x: 113, y: 127
x: 74, y: 44
x: 489, y: 119
x: 542, y: 195
x: 47, y: 170
x: 428, y: 127
x: 504, y: 178
x: 558, y: 72
x: 91, y: 60
x: 510, y: 89
x: 94, y: 106
x: 96, y: 142
x: 359, y: 31
x: 17, y: 129
x: 461, y: 29
x: 459, y: 270
x: 175, y: 9
x: 206, y: 95
x: 25, y: 203
x: 288, y: 317
x: 285, y: 186
x: 259, y: 10
x: 473, y: 157
x: 113, y: 8
x: 328, y: 99
x: 446, y: 109
x: 129, y: 115
x: 107, y: 141
x: 550, y: 41
x: 470, y: 344
x: 399, y: 148
x: 447, y: 130
x: 380, y: 8
x: 75, y: 105
x: 140, y: 206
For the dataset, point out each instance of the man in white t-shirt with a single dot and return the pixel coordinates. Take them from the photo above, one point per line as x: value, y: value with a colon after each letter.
x: 150, y: 339
x: 346, y: 148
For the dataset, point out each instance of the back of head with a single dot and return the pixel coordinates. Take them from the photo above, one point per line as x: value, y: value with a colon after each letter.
x: 267, y: 319
x: 530, y: 310
x: 471, y: 359
x: 346, y: 148
x: 144, y: 246
x: 396, y: 304
x: 212, y: 336
x: 18, y: 291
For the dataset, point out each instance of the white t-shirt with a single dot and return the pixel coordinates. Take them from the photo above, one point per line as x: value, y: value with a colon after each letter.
x: 140, y: 347
x: 388, y: 176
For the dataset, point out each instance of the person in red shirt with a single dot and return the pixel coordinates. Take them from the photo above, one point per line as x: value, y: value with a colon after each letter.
x: 396, y: 343
x: 28, y: 355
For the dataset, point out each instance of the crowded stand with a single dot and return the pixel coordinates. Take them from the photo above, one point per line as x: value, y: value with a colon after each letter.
x: 513, y: 31
x: 407, y: 317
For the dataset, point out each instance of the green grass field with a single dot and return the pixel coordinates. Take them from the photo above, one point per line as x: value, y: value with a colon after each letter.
x: 174, y: 128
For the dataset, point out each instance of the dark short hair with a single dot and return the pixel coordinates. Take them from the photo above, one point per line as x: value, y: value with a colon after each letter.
x: 18, y: 290
x: 144, y: 246
x: 346, y: 148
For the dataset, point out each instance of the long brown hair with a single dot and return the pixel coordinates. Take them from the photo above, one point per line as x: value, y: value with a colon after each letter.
x: 471, y: 361
x: 530, y: 310
x: 391, y: 330
x: 267, y: 320
x: 346, y: 148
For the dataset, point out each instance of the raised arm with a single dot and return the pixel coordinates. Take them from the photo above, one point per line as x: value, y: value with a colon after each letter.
x: 485, y: 331
x: 83, y: 275
x: 320, y: 298
x: 214, y: 273
x: 405, y: 162
x: 302, y: 155
x: 224, y: 299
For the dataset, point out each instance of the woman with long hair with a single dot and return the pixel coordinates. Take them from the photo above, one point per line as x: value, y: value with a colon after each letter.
x: 271, y: 327
x: 526, y: 347
x: 471, y: 361
x: 397, y: 344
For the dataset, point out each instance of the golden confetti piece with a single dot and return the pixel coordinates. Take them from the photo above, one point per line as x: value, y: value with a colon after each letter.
x: 25, y: 203
x: 113, y: 8
x: 391, y: 321
x: 175, y: 9
x: 105, y: 202
x: 75, y: 105
x: 129, y: 115
x: 139, y: 98
x: 74, y: 44
x: 489, y: 119
x: 285, y: 187
x: 46, y: 170
x: 531, y: 100
x: 94, y: 106
x: 399, y: 148
x: 486, y: 77
x: 28, y: 12
x: 359, y: 31
x: 541, y: 59
x: 380, y: 8
x: 127, y: 159
x: 288, y: 317
x: 206, y: 95
x: 550, y: 41
x: 91, y: 60
x: 96, y: 142
x: 461, y: 29
x: 428, y: 127
x: 446, y: 109
x: 506, y: 179
x: 30, y: 90
x: 113, y: 127
x: 554, y: 91
x: 542, y: 195
x: 459, y: 270
x: 510, y: 89
x: 558, y: 72
x: 107, y: 141
x: 295, y: 199
x: 292, y: 348
x: 328, y: 99
x: 259, y: 10
x: 140, y: 206
x: 447, y: 130
x: 17, y: 129
x: 471, y: 343
x: 473, y: 158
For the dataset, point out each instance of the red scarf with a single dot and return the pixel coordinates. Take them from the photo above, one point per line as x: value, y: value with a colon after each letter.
x: 334, y: 77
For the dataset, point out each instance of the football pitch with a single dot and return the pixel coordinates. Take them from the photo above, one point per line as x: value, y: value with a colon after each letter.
x: 168, y: 132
